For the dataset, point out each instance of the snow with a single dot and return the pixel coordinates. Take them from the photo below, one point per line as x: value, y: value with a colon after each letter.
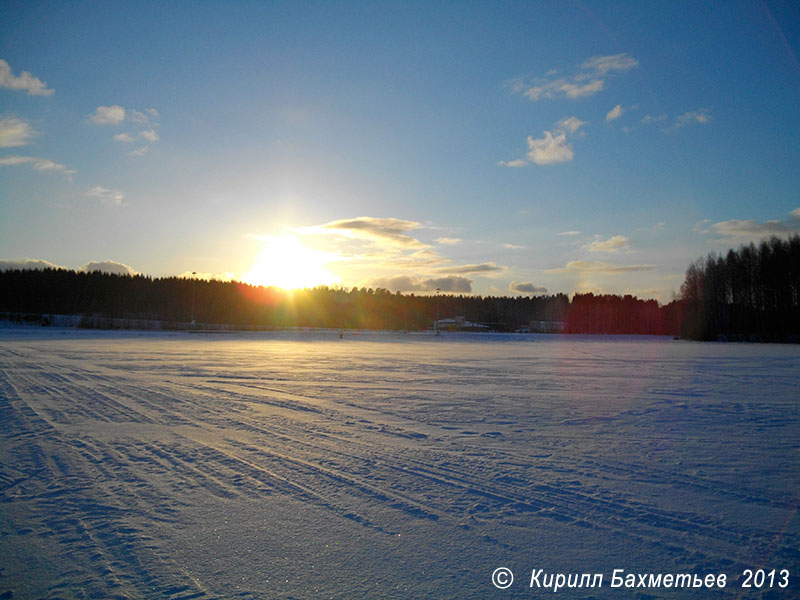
x: 299, y: 465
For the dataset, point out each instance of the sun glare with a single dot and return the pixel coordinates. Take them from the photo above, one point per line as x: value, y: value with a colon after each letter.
x: 286, y: 263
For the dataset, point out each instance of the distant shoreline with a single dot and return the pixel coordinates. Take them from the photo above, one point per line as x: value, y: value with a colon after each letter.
x: 33, y: 322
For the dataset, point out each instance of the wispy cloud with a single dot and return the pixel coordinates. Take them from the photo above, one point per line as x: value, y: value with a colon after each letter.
x: 482, y: 268
x: 616, y: 243
x: 516, y: 163
x: 570, y: 125
x: 693, y: 117
x: 734, y: 230
x: 570, y: 232
x: 553, y: 148
x: 38, y: 164
x: 24, y: 81
x: 596, y: 266
x: 604, y: 65
x: 106, y: 196
x: 526, y: 287
x: 123, y: 137
x: 453, y: 284
x: 589, y: 79
x: 615, y: 113
x: 702, y: 226
x: 448, y: 241
x: 424, y: 256
x: 564, y: 88
x: 391, y: 231
x: 648, y: 119
x: 139, y: 117
x: 701, y: 116
x: 14, y: 132
x: 108, y: 115
x: 150, y: 135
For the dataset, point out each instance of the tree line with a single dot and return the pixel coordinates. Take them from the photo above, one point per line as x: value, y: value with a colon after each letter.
x: 751, y: 293
x: 175, y: 300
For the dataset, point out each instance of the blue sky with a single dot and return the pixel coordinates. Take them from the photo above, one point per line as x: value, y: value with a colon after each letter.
x: 488, y: 148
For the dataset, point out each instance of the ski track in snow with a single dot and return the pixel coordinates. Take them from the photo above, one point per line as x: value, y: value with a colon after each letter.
x: 389, y: 466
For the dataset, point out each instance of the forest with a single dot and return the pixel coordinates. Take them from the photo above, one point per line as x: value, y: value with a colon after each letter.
x: 752, y: 293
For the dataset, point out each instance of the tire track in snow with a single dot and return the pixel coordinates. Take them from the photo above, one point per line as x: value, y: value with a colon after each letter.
x: 96, y: 542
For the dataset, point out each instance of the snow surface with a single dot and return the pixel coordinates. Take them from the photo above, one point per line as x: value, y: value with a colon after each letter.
x: 298, y: 465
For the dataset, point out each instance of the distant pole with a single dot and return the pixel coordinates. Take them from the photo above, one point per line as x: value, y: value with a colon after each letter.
x: 437, y: 310
x: 193, y: 280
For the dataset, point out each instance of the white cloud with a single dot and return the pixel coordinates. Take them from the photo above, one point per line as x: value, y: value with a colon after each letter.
x: 150, y: 135
x: 123, y: 137
x: 38, y: 164
x: 109, y: 115
x: 106, y: 195
x: 111, y: 267
x: 27, y: 264
x: 523, y: 287
x: 750, y: 229
x: 698, y: 116
x: 405, y: 283
x: 587, y: 81
x: 447, y: 241
x: 25, y: 81
x: 14, y: 132
x: 106, y: 266
x: 553, y: 147
x: 614, y: 113
x: 139, y: 151
x: 597, y: 266
x: 549, y: 149
x: 570, y: 232
x: 613, y: 244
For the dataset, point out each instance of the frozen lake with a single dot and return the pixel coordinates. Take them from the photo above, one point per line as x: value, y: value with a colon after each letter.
x: 154, y: 465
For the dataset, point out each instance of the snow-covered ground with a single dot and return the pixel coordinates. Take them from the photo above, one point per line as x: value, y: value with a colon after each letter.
x: 179, y: 465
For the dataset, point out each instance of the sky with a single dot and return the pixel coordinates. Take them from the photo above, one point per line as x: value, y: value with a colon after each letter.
x: 492, y: 148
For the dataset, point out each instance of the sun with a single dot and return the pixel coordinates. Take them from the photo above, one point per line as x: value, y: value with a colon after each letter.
x: 286, y: 263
